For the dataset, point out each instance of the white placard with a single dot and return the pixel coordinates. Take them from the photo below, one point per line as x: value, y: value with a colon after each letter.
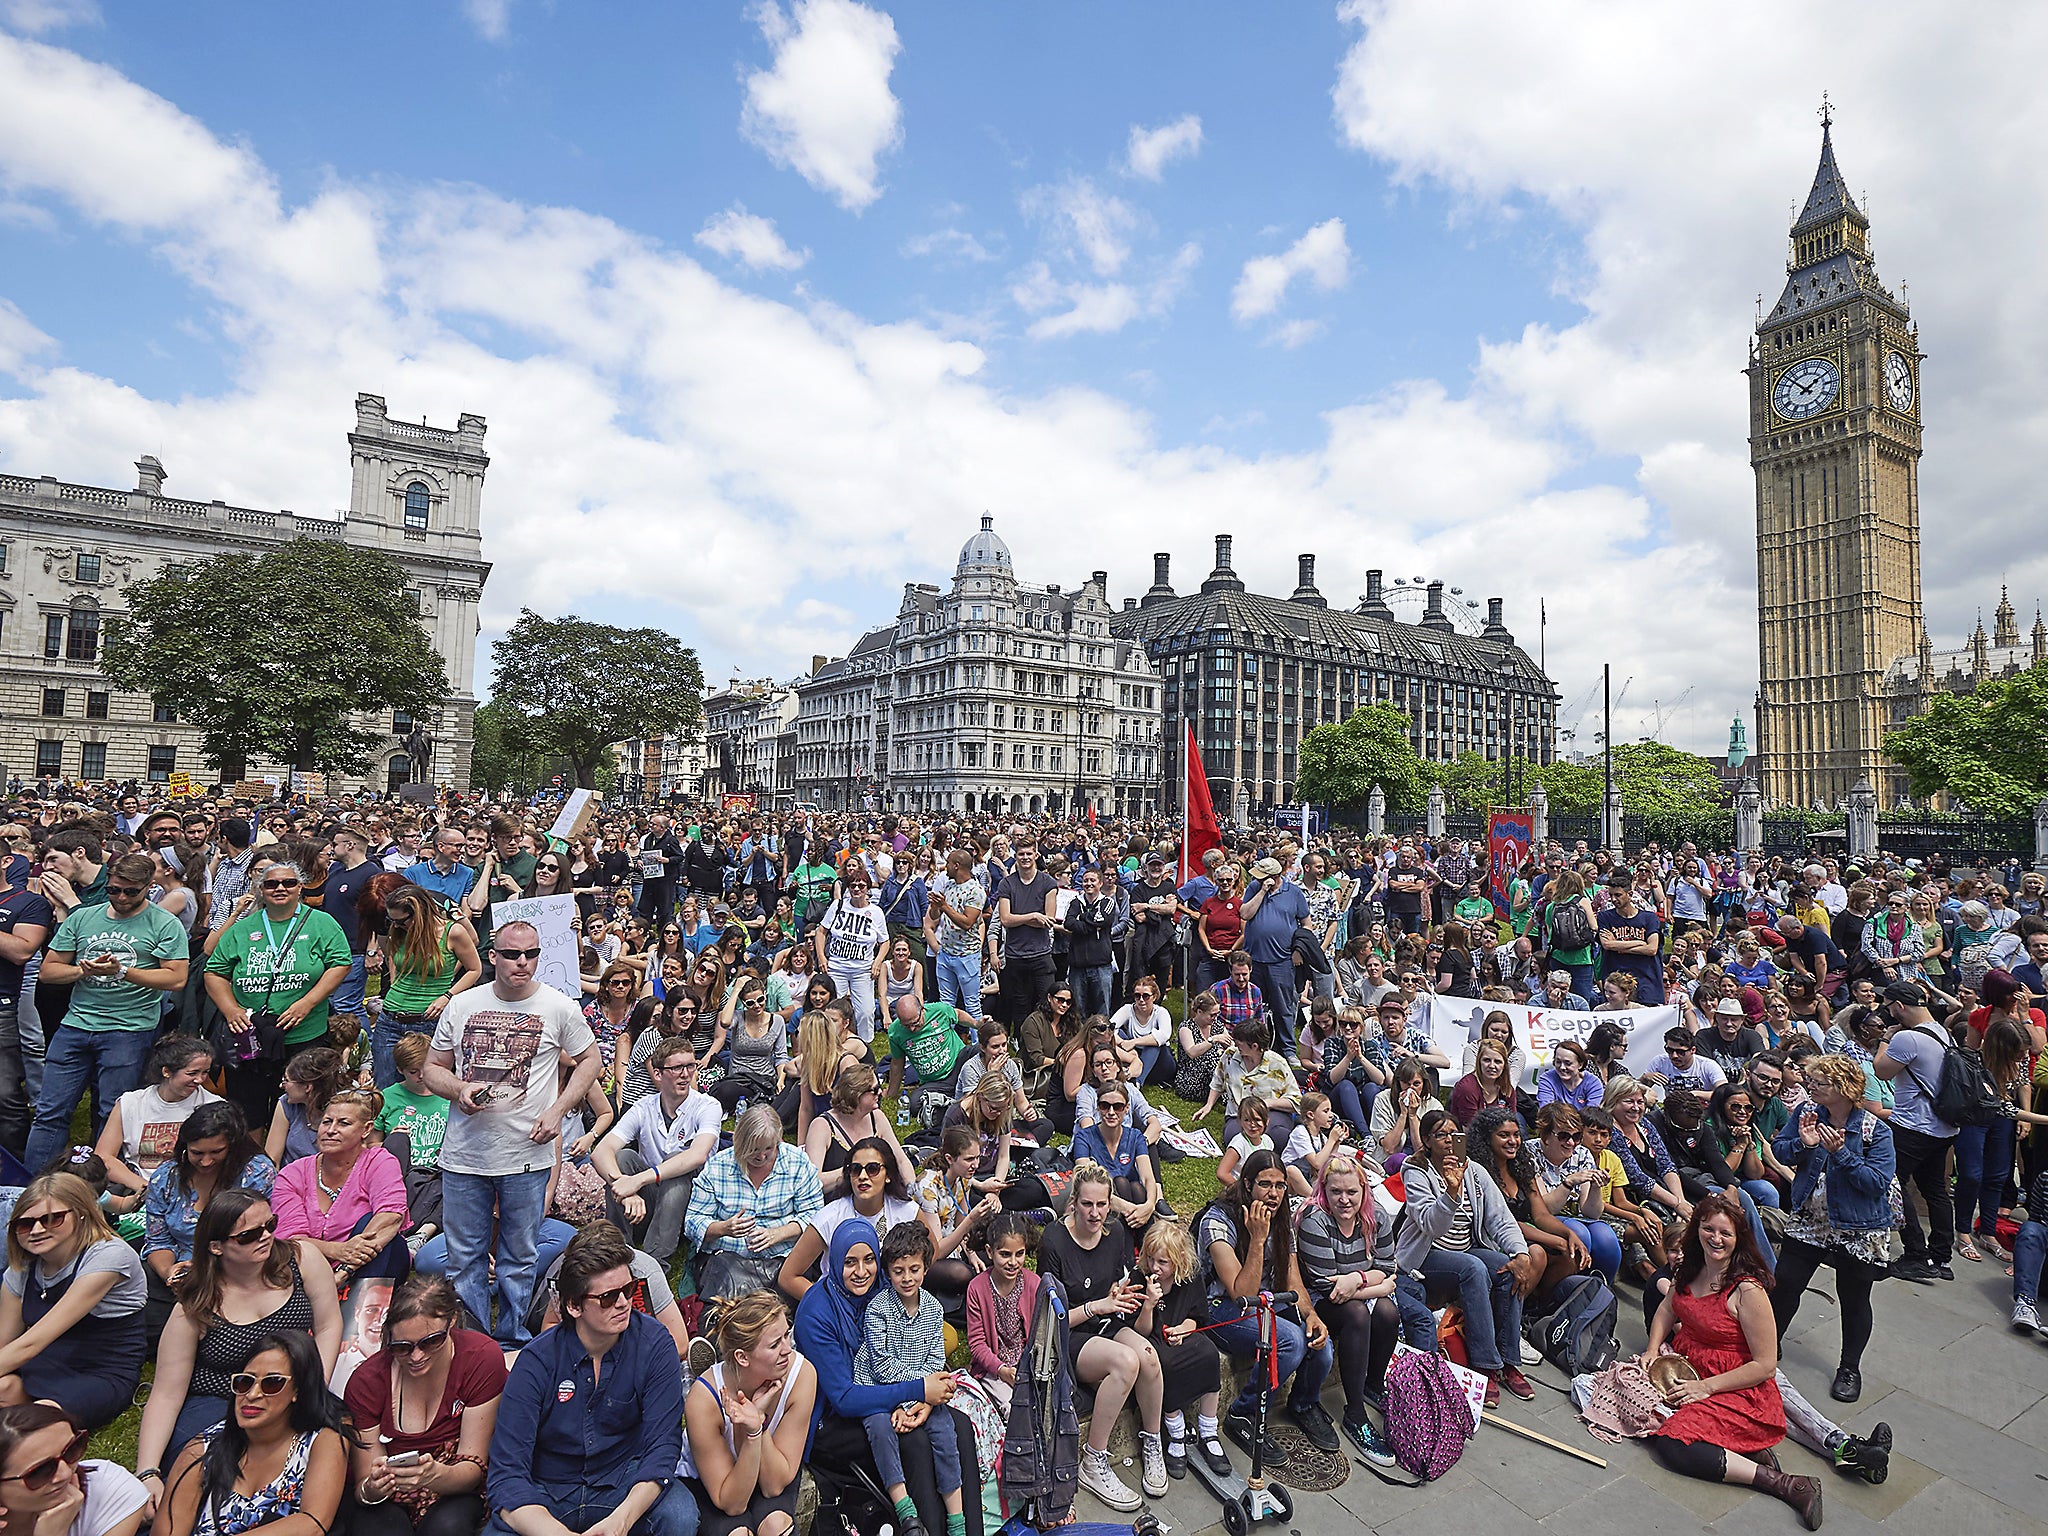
x: 1454, y: 1023
x: 569, y: 823
x: 560, y: 965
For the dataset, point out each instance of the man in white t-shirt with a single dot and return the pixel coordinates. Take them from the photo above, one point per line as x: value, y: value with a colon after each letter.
x: 651, y: 1157
x: 496, y: 1058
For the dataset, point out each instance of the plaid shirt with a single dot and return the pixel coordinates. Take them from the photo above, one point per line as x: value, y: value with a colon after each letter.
x: 1244, y: 1007
x: 791, y: 1192
x: 900, y: 1347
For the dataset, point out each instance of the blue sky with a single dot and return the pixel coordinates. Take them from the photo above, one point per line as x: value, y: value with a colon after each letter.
x: 766, y: 304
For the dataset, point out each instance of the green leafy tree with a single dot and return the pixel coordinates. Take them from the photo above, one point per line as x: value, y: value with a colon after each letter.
x: 576, y: 687
x: 1340, y: 763
x: 1472, y: 783
x: 1987, y: 748
x: 1655, y: 780
x: 1573, y: 789
x: 501, y: 757
x: 272, y: 654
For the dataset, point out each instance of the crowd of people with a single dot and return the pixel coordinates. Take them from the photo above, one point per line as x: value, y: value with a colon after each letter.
x: 420, y: 1242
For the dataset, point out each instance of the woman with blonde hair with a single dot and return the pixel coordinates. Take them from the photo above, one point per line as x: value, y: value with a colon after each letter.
x: 71, y: 1308
x: 747, y: 1421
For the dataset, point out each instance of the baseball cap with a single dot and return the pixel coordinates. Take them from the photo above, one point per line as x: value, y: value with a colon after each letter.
x: 1907, y: 994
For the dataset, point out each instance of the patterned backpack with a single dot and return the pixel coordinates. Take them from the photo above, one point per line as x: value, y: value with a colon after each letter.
x: 1428, y: 1420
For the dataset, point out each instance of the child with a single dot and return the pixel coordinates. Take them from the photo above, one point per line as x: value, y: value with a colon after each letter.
x: 1311, y: 1146
x: 1189, y: 1365
x: 1251, y: 1137
x: 1641, y: 1233
x: 413, y: 1121
x: 1000, y: 1303
x: 906, y: 1337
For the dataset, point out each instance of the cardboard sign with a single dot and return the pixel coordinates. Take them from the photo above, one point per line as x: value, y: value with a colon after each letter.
x: 255, y: 789
x: 180, y: 783
x: 1454, y: 1023
x: 308, y: 783
x: 578, y: 811
x: 560, y: 965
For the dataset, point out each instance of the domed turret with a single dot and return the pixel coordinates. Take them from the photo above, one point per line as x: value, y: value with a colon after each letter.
x: 985, y: 554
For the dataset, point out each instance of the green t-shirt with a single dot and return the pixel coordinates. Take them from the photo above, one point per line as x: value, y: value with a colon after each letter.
x: 422, y: 1116
x: 810, y: 885
x: 935, y: 1047
x: 145, y: 940
x: 1473, y: 909
x: 263, y: 977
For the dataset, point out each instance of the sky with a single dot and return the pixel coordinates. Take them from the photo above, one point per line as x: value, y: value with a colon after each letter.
x: 765, y: 304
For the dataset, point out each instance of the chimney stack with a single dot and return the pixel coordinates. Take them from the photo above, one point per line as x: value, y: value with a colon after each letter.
x: 149, y: 476
x: 1130, y: 604
x: 1305, y: 591
x: 1433, y: 615
x: 1222, y: 551
x: 817, y: 664
x: 1374, y: 603
x: 1223, y: 578
x: 1496, y: 628
x: 1101, y: 581
x: 1161, y: 590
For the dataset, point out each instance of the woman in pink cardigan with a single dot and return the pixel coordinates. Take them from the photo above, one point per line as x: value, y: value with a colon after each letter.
x: 349, y: 1199
x: 1000, y: 1301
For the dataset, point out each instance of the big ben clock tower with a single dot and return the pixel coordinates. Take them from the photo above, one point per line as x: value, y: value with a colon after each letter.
x: 1834, y: 438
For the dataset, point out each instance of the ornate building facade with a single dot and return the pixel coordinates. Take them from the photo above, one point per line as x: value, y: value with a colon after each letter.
x: 1256, y: 674
x: 841, y: 724
x: 1835, y: 437
x: 69, y: 552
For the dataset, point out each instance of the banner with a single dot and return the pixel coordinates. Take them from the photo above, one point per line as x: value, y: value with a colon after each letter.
x: 1454, y: 1024
x: 1199, y: 832
x: 561, y: 965
x: 1509, y: 837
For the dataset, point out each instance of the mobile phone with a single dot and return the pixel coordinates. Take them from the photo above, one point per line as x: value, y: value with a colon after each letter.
x: 1458, y: 1144
x: 404, y: 1459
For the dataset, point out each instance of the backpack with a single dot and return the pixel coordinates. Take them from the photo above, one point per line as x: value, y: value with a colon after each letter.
x: 1577, y: 1334
x: 1427, y: 1418
x: 1966, y: 1095
x: 1569, y: 926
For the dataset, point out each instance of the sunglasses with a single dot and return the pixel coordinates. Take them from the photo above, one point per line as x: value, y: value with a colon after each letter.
x: 864, y: 1170
x: 39, y: 1476
x: 604, y: 1301
x: 273, y: 885
x: 249, y: 1237
x: 125, y: 890
x: 1738, y: 1107
x: 520, y: 954
x: 1115, y: 1104
x: 54, y: 1220
x: 420, y: 1346
x: 242, y: 1383
x: 623, y: 981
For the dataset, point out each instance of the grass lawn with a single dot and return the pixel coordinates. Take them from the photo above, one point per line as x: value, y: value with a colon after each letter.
x: 1190, y: 1184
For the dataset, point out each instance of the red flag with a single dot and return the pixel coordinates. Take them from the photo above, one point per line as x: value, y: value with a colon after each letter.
x: 1199, y: 831
x: 1091, y: 814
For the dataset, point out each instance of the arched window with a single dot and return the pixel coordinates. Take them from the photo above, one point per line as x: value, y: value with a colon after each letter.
x: 397, y: 773
x: 416, y: 506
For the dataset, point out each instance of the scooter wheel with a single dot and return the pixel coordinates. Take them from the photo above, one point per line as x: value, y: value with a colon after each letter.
x: 1283, y: 1499
x: 1233, y: 1518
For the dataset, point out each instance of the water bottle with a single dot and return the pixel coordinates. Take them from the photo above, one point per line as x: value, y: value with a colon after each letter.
x: 903, y: 1110
x: 739, y: 1111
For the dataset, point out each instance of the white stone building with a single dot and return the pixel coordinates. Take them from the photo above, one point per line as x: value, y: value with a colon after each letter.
x: 1005, y: 693
x: 842, y: 708
x: 742, y: 754
x: 69, y: 552
x: 658, y: 766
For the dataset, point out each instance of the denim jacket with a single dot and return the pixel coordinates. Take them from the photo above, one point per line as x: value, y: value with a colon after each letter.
x: 1859, y: 1176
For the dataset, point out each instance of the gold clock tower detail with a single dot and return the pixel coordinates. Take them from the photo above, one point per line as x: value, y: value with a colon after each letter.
x: 1834, y: 438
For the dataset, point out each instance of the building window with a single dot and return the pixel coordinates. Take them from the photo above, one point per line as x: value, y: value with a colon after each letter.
x: 89, y: 568
x: 49, y: 758
x: 84, y: 644
x: 161, y: 713
x: 413, y: 596
x: 92, y: 760
x: 53, y: 703
x: 401, y: 723
x: 53, y: 635
x: 416, y: 507
x: 397, y: 772
x: 96, y: 706
x: 163, y: 762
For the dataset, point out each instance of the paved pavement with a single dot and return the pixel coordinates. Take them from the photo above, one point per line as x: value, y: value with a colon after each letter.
x: 1967, y: 1400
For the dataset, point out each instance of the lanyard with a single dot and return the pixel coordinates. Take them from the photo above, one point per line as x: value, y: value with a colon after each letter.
x: 291, y: 933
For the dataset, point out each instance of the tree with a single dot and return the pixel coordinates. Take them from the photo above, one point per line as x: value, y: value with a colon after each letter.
x: 1656, y: 780
x: 271, y: 654
x: 1341, y: 763
x: 501, y: 758
x: 576, y: 686
x: 1987, y: 748
x: 1472, y: 783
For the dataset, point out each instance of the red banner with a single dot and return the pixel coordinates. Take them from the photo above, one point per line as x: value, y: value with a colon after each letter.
x: 1509, y: 838
x: 1199, y: 831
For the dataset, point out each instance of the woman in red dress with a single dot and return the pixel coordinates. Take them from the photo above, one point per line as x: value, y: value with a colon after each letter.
x: 1719, y: 1318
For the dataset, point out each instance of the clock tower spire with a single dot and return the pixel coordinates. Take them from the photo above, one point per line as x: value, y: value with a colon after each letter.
x: 1834, y: 394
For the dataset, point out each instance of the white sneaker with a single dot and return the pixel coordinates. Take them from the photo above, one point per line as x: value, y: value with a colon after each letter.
x: 1099, y: 1480
x: 2025, y: 1316
x: 1154, y: 1460
x: 701, y: 1355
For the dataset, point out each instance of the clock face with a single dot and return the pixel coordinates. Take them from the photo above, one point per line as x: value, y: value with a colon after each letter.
x: 1898, y: 381
x: 1806, y: 389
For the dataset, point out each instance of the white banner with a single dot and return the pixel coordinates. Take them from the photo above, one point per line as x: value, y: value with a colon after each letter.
x: 1454, y: 1024
x: 560, y: 960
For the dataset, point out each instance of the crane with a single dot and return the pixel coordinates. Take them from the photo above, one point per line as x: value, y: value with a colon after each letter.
x: 1657, y: 706
x: 1601, y: 735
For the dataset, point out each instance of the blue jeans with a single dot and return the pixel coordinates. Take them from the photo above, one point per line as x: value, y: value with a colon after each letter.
x: 1353, y: 1106
x: 110, y: 1060
x: 1277, y: 984
x: 518, y: 1201
x: 1983, y: 1164
x: 579, y: 1507
x: 888, y: 1454
x: 348, y: 997
x: 1091, y: 985
x: 1583, y: 982
x: 385, y: 1034
x: 2029, y: 1253
x: 1600, y: 1241
x: 1486, y: 1294
x: 1307, y: 1368
x: 432, y: 1259
x: 960, y: 983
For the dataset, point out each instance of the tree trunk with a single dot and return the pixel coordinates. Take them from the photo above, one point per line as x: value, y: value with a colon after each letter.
x: 302, y: 757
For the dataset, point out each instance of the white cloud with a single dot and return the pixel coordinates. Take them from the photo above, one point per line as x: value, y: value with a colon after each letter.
x: 1099, y: 308
x: 948, y: 244
x: 33, y: 18
x: 824, y: 108
x: 1321, y: 255
x: 750, y: 239
x: 1085, y: 223
x: 1151, y: 150
x: 1298, y: 333
x: 491, y: 18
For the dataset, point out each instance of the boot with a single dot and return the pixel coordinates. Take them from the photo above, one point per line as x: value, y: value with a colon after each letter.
x: 1802, y: 1493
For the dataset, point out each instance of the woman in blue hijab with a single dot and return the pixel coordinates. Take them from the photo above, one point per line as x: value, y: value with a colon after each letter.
x: 829, y: 1322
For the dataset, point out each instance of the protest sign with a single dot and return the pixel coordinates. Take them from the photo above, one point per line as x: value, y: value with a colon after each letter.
x: 560, y: 965
x: 578, y: 811
x: 1509, y: 835
x: 1454, y: 1023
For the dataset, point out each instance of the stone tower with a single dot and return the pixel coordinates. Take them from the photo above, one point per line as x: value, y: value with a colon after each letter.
x: 1834, y: 413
